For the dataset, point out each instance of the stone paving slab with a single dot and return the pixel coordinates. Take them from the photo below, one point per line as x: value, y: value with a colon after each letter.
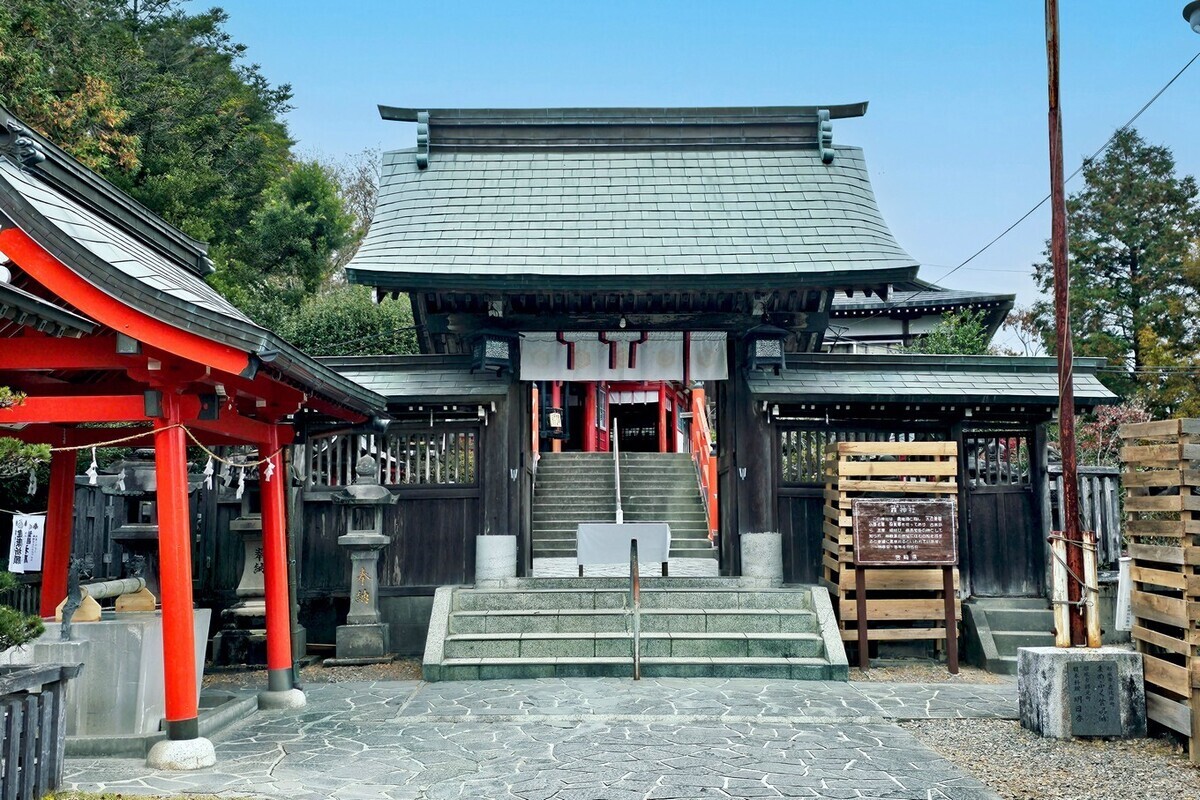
x: 582, y: 739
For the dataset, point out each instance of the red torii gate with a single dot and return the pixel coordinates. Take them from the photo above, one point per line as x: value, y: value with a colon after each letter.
x: 104, y: 319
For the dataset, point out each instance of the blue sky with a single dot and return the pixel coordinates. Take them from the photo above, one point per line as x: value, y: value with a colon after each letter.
x: 955, y: 136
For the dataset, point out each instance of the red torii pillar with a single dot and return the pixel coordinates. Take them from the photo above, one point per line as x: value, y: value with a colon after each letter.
x: 281, y: 691
x: 184, y: 747
x: 60, y: 518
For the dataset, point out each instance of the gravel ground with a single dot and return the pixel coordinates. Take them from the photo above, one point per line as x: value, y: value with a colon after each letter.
x: 924, y: 672
x: 1021, y: 765
x: 402, y: 669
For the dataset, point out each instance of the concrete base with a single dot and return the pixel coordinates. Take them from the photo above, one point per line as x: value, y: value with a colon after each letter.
x: 762, y: 559
x: 362, y: 641
x: 284, y: 700
x: 495, y: 559
x: 1045, y: 698
x: 121, y: 689
x: 182, y: 754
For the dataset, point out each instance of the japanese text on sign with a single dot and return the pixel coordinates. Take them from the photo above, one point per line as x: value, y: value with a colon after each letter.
x: 25, y: 550
x: 905, y: 532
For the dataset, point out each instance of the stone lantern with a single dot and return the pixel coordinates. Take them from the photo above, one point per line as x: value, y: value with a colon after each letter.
x: 363, y: 639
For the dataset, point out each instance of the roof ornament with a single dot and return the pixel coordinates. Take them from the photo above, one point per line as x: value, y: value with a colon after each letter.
x: 24, y: 148
x: 422, y: 140
x: 825, y: 135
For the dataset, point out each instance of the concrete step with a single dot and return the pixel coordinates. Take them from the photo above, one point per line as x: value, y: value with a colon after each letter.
x: 1008, y: 642
x: 620, y: 645
x: 572, y: 598
x: 616, y: 620
x: 509, y: 668
x: 1021, y: 619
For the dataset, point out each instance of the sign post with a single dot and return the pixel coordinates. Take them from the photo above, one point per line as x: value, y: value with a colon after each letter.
x: 906, y: 533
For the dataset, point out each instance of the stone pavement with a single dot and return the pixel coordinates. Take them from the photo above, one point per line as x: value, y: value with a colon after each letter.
x: 583, y: 739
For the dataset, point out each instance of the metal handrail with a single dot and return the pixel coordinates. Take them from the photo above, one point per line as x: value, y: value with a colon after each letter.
x: 616, y: 447
x: 635, y: 604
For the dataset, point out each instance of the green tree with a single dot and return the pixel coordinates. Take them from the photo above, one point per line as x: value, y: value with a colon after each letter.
x: 1135, y: 289
x: 959, y: 332
x: 286, y: 252
x: 15, y: 628
x: 346, y: 321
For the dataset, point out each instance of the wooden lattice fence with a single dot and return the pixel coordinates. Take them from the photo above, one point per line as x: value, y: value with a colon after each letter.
x: 903, y: 603
x: 1162, y: 525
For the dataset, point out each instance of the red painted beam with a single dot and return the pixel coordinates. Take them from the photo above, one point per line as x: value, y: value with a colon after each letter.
x: 242, y: 429
x: 46, y: 353
x: 98, y: 408
x: 60, y: 280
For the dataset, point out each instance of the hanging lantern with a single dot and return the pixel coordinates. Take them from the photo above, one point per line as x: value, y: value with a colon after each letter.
x: 765, y: 347
x: 494, y: 349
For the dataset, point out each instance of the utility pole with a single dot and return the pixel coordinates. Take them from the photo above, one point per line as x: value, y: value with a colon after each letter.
x: 1064, y: 348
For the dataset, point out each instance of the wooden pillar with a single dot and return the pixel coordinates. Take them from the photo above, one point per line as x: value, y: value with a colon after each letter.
x: 754, y: 468
x: 56, y: 551
x: 589, y: 418
x: 662, y: 417
x: 275, y: 569
x: 175, y: 573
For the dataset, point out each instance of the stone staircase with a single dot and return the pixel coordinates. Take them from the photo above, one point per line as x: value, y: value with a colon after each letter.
x: 655, y: 487
x: 571, y: 627
x: 994, y: 628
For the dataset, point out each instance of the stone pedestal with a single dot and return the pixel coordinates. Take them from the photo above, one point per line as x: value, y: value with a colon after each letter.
x: 495, y: 559
x: 1080, y: 691
x: 363, y: 639
x: 762, y: 559
x: 243, y: 635
x: 120, y: 691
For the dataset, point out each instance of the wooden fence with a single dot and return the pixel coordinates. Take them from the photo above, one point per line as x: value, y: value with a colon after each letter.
x: 25, y: 596
x: 903, y: 603
x: 1099, y: 507
x: 1162, y: 512
x: 33, y: 719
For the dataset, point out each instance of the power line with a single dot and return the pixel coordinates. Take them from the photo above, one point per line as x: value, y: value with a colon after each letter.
x: 899, y: 301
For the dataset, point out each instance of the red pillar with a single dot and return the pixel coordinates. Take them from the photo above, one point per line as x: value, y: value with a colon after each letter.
x: 56, y: 550
x: 275, y: 571
x: 175, y: 573
x: 556, y: 402
x: 662, y: 418
x: 589, y: 419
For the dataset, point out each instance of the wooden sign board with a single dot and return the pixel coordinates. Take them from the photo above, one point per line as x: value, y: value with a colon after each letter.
x: 905, y: 532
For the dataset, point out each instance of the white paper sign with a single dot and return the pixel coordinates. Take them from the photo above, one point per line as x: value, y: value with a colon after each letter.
x: 1124, y: 610
x: 25, y: 550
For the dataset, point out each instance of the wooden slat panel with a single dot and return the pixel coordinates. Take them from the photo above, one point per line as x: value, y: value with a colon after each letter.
x: 903, y: 609
x: 1135, y: 503
x: 1168, y: 610
x: 1154, y: 527
x: 897, y: 448
x: 1159, y: 477
x: 1150, y: 430
x: 896, y: 634
x: 1143, y: 634
x: 1157, y: 553
x: 929, y: 580
x: 1157, y: 577
x: 1169, y: 713
x: 898, y: 487
x: 1171, y: 677
x: 897, y: 468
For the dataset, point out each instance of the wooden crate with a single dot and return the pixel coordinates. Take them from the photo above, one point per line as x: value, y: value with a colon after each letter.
x: 1161, y: 475
x: 903, y: 603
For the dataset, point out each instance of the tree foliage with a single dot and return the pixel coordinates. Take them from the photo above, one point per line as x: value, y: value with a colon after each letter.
x: 346, y: 321
x: 16, y: 628
x: 1135, y: 281
x: 958, y: 333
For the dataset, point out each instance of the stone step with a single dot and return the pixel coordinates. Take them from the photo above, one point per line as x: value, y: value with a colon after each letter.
x: 511, y: 668
x: 618, y: 644
x: 677, y: 620
x: 1021, y: 619
x: 688, y: 600
x: 1007, y: 642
